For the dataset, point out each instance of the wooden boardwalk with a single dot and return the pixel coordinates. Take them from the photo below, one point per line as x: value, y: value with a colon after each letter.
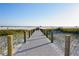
x: 38, y: 45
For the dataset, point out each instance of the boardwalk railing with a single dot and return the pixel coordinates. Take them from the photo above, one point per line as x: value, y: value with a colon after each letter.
x: 48, y: 33
x: 12, y: 40
x: 64, y: 42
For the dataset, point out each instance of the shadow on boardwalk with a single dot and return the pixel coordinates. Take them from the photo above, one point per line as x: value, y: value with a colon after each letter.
x: 31, y: 48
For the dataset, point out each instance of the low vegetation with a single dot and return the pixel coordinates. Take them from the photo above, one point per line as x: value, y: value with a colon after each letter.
x: 72, y: 30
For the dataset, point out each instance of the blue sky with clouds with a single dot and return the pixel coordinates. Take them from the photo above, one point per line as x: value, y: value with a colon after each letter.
x: 39, y: 14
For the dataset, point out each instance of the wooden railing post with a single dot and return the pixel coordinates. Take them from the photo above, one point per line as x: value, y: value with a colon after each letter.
x: 32, y: 30
x: 10, y: 44
x: 46, y: 33
x: 24, y: 36
x: 67, y: 45
x: 0, y: 50
x: 29, y: 33
x: 51, y: 37
x: 43, y: 31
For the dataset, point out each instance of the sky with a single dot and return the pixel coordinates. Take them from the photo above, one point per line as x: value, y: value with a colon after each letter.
x: 39, y: 14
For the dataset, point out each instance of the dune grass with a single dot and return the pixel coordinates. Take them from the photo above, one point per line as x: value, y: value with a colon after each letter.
x: 72, y: 30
